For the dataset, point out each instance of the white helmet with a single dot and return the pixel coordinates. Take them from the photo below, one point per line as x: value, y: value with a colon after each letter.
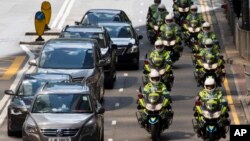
x: 159, y: 45
x: 162, y: 7
x: 154, y: 76
x: 193, y: 8
x: 169, y: 18
x: 209, y: 84
x: 208, y: 43
x: 206, y: 26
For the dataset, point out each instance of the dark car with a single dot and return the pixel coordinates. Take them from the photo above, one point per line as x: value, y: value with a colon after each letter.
x: 80, y: 58
x: 95, y: 16
x: 23, y: 96
x: 64, y: 112
x: 127, y: 41
x: 108, y: 49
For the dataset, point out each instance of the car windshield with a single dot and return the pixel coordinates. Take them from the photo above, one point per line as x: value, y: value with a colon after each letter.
x: 30, y: 87
x: 119, y: 31
x: 95, y: 18
x: 76, y: 33
x: 62, y: 103
x: 67, y: 58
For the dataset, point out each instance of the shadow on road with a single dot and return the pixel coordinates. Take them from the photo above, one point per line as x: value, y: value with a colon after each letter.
x: 176, y: 135
x: 110, y: 103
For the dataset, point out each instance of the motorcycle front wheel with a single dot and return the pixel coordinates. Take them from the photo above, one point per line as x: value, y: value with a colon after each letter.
x: 155, y: 132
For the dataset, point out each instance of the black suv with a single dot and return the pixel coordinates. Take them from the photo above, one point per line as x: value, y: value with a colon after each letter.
x: 108, y: 49
x: 95, y: 16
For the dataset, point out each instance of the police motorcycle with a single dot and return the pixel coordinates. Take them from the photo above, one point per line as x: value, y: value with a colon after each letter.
x: 183, y: 8
x: 155, y: 113
x: 191, y: 35
x: 164, y: 69
x: 154, y: 33
x: 211, y: 119
x: 209, y: 66
x: 173, y: 44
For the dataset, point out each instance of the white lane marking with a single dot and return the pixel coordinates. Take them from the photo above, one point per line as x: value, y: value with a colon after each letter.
x: 120, y: 90
x: 138, y: 29
x: 140, y: 20
x: 66, y: 14
x: 125, y: 74
x: 110, y: 139
x: 114, y: 122
x: 15, y: 83
x: 117, y: 104
x: 141, y: 3
x: 141, y: 12
x: 59, y: 15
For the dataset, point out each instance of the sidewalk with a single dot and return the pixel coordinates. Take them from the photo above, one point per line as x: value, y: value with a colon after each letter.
x: 233, y: 57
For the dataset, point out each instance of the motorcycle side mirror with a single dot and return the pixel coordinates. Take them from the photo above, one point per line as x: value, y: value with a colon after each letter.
x: 146, y: 56
x: 140, y: 96
x: 169, y: 107
x: 146, y: 62
x: 197, y: 103
x: 77, y: 23
x: 226, y: 115
x: 140, y: 90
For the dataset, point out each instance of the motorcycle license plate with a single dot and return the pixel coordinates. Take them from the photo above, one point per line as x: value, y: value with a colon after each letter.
x: 60, y: 139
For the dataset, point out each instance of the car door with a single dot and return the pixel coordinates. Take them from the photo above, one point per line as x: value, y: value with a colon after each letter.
x: 99, y: 74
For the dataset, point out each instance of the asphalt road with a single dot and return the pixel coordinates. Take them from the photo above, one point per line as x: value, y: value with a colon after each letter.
x: 120, y: 120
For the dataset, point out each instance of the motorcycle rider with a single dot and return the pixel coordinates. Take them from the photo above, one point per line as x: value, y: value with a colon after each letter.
x: 170, y: 24
x: 206, y: 33
x: 181, y: 7
x: 210, y: 47
x: 153, y: 8
x: 193, y: 15
x: 211, y: 91
x: 160, y: 57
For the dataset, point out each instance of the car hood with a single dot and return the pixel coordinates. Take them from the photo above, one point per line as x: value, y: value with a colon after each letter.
x: 59, y: 121
x: 75, y: 73
x: 22, y: 101
x: 123, y: 41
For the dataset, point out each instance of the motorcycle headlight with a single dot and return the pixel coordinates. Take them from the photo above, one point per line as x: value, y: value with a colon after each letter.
x: 15, y: 112
x: 162, y: 71
x: 133, y: 49
x: 30, y: 126
x: 172, y: 43
x: 158, y: 107
x: 181, y: 9
x: 165, y: 43
x: 197, y: 29
x: 156, y: 27
x: 217, y: 114
x: 206, y: 114
x: 206, y: 66
x: 214, y: 66
x: 186, y: 9
x: 190, y: 29
x: 149, y: 107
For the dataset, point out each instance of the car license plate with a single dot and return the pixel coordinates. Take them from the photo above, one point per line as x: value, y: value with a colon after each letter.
x: 60, y: 139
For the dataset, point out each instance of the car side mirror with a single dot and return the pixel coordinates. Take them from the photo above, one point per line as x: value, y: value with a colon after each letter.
x: 140, y: 37
x: 33, y: 62
x: 114, y: 46
x: 77, y: 23
x: 100, y: 110
x: 101, y: 63
x: 9, y: 92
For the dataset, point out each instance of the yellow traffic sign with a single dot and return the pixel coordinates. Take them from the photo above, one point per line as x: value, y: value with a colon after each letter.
x: 40, y: 25
x: 46, y: 9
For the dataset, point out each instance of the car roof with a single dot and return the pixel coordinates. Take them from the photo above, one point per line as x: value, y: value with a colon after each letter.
x: 112, y: 11
x: 71, y: 42
x: 114, y: 24
x: 65, y: 88
x: 47, y: 76
x: 85, y: 28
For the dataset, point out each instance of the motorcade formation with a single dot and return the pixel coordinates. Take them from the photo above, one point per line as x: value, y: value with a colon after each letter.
x: 62, y: 99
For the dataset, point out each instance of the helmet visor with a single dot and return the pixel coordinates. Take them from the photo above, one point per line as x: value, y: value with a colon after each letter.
x: 210, y: 87
x: 159, y: 46
x: 155, y: 79
x: 209, y: 46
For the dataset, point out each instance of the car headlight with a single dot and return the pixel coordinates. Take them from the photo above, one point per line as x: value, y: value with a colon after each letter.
x: 133, y: 49
x: 89, y: 128
x: 15, y: 112
x: 30, y: 126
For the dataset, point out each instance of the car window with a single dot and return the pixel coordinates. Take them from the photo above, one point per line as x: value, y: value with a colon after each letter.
x: 119, y: 31
x: 125, y: 17
x: 95, y: 18
x: 30, y: 87
x: 66, y: 58
x: 62, y: 103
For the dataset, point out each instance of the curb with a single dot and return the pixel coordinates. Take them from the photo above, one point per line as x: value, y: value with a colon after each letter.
x: 234, y: 58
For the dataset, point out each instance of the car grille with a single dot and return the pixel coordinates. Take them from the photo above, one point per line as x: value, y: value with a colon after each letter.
x: 121, y: 51
x: 59, y: 132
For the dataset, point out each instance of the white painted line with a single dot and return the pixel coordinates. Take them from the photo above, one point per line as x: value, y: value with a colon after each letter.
x: 110, y: 139
x: 141, y: 12
x: 19, y: 75
x: 114, y: 122
x: 66, y: 14
x: 120, y: 90
x: 141, y: 3
x: 138, y: 29
x: 59, y: 15
x: 125, y: 74
x: 117, y: 104
x: 140, y: 20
